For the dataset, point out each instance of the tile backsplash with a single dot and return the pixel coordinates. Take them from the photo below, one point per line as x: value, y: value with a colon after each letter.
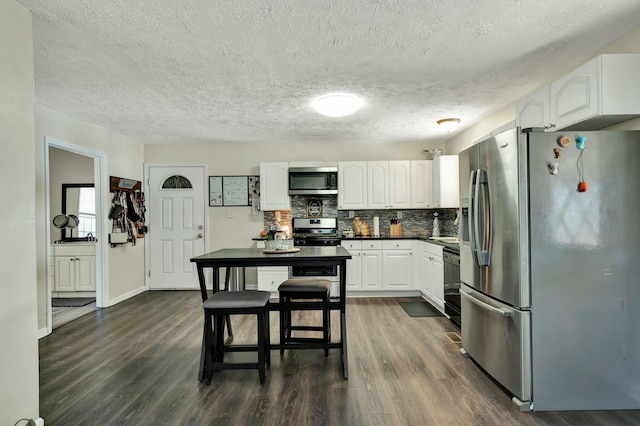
x: 414, y: 222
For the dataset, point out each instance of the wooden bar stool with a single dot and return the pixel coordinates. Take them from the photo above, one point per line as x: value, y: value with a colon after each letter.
x: 216, y: 309
x: 305, y: 289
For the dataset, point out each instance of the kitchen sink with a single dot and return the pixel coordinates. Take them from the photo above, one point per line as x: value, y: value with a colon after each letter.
x: 452, y: 240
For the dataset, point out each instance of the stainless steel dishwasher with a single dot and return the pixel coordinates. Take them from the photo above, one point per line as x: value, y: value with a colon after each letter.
x: 451, y: 260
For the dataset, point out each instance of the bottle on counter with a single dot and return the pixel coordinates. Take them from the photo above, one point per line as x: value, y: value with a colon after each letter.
x: 436, y: 226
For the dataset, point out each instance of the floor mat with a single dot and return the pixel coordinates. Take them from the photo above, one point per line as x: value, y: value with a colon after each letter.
x: 71, y: 302
x: 420, y: 309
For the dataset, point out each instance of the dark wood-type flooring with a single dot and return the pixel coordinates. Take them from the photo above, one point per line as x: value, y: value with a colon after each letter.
x: 136, y: 364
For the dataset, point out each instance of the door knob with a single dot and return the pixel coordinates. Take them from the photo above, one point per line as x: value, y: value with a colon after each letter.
x: 199, y: 236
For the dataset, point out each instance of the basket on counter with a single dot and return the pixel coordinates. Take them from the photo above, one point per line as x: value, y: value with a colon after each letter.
x: 283, y: 244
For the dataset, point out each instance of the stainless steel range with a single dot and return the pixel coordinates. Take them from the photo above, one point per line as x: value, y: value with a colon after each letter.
x: 316, y: 232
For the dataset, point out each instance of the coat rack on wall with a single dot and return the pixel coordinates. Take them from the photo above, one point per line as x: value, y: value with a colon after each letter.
x: 127, y: 211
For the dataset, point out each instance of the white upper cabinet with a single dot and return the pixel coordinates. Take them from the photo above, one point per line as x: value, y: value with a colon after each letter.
x: 389, y: 184
x: 352, y: 185
x: 421, y: 184
x: 274, y: 186
x: 445, y: 190
x: 399, y: 184
x: 601, y: 92
x: 533, y: 111
x: 378, y: 181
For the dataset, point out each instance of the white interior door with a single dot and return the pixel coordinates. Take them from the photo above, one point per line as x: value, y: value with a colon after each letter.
x: 176, y: 225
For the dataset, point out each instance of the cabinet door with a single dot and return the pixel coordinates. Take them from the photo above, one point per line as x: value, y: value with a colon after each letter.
x: 354, y: 271
x: 421, y: 184
x: 85, y: 273
x: 274, y: 186
x: 65, y: 273
x: 397, y: 270
x: 378, y: 184
x: 423, y: 272
x: 352, y: 185
x: 576, y: 96
x: 270, y: 278
x: 399, y: 184
x: 437, y: 289
x: 533, y: 111
x: 371, y: 269
x: 445, y: 182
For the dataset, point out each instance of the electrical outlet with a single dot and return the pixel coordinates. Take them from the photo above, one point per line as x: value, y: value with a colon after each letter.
x: 351, y: 214
x: 399, y: 215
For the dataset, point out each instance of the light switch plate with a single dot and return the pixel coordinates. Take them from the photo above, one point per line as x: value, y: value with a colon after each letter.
x: 351, y: 214
x: 399, y: 215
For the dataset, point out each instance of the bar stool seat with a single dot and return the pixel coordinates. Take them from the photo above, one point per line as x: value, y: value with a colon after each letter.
x: 216, y: 309
x: 304, y: 289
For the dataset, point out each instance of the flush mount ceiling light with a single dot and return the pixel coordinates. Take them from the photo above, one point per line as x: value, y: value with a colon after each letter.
x: 449, y: 124
x: 337, y: 104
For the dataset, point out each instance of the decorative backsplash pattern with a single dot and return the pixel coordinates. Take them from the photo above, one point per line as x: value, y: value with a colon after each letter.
x: 414, y: 222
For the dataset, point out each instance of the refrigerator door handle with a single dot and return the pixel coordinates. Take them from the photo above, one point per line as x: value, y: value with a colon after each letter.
x: 475, y: 229
x: 485, y: 306
x: 484, y: 244
x: 471, y: 217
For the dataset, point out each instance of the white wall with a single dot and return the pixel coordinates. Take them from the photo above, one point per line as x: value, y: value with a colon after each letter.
x: 125, y: 264
x: 629, y: 43
x: 18, y: 315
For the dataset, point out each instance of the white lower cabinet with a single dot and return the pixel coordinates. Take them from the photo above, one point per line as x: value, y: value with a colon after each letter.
x: 430, y: 272
x: 270, y: 278
x: 397, y: 265
x: 74, y: 268
x: 364, y: 269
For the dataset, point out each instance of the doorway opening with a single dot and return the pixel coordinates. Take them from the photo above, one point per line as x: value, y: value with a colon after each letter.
x: 75, y: 182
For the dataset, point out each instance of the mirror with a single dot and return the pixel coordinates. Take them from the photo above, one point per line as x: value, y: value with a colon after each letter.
x: 78, y: 199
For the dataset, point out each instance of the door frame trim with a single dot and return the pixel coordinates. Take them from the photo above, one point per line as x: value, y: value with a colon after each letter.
x: 147, y: 189
x: 101, y: 185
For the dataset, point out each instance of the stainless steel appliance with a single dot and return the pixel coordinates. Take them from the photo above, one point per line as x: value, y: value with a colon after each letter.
x: 313, y: 180
x: 316, y: 232
x: 550, y: 273
x: 451, y: 260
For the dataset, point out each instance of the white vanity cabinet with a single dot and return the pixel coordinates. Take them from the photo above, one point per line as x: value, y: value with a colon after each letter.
x: 74, y: 267
x: 397, y: 265
x: 274, y: 186
x: 352, y: 185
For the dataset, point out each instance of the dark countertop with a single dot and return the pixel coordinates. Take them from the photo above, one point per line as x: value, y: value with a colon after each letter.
x: 420, y: 237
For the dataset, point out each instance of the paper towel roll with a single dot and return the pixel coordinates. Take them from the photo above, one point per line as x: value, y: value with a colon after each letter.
x: 376, y: 226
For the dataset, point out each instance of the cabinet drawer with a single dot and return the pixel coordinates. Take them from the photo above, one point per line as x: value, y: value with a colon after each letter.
x: 434, y: 249
x: 75, y: 250
x: 352, y: 245
x: 397, y: 244
x: 371, y: 245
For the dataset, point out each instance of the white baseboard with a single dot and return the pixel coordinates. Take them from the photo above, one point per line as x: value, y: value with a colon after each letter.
x: 383, y: 293
x: 126, y: 296
x: 43, y: 332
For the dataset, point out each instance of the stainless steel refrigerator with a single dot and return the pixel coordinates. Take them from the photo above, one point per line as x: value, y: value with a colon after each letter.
x: 550, y: 266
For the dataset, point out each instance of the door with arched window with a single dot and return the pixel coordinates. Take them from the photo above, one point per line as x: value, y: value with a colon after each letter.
x: 176, y: 213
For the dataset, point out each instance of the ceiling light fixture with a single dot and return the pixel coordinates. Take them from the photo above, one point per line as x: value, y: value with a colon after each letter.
x: 337, y: 104
x: 449, y: 124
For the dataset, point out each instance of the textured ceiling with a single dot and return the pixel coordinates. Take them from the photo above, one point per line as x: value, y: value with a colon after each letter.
x: 167, y: 71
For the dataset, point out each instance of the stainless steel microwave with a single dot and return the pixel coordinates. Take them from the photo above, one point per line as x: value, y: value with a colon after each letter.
x: 313, y: 180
